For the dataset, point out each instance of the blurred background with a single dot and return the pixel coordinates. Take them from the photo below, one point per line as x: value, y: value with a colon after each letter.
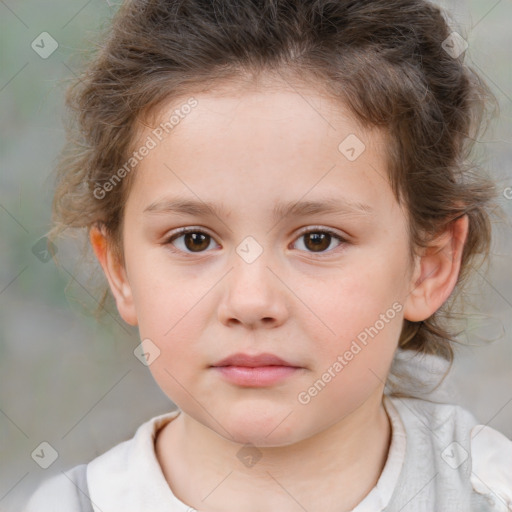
x: 72, y: 382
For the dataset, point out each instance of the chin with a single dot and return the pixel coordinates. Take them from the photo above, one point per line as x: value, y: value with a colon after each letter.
x: 259, y: 424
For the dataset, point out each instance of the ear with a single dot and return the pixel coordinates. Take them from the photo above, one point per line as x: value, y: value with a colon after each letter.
x: 436, y: 272
x: 115, y: 274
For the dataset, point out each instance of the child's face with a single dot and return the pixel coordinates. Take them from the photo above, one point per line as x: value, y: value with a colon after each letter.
x: 305, y: 299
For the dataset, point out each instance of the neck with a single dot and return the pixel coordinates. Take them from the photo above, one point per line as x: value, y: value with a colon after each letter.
x: 332, y: 470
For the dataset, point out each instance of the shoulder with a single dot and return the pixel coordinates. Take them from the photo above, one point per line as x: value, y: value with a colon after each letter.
x: 107, y: 479
x: 437, y: 438
x: 491, y: 472
x: 468, y: 456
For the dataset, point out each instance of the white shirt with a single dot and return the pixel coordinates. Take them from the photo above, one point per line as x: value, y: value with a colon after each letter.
x: 128, y: 477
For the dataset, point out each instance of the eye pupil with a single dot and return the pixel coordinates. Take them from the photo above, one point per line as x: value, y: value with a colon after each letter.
x: 196, y: 241
x: 321, y: 241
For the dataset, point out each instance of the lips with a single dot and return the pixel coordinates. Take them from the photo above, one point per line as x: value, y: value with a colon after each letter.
x: 253, y: 361
x: 258, y: 371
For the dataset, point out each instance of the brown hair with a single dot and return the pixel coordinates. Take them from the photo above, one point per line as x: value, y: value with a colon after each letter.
x: 385, y: 59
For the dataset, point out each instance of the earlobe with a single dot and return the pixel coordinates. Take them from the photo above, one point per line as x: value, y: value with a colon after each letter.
x: 115, y: 274
x: 436, y: 272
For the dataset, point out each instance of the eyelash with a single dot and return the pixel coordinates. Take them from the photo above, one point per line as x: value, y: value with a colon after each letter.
x: 315, y: 229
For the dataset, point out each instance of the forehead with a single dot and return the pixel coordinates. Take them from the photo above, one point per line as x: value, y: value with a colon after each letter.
x: 251, y: 112
x: 273, y: 141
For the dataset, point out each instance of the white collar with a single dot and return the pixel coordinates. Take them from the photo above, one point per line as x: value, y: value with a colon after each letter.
x: 378, y: 498
x: 129, y: 476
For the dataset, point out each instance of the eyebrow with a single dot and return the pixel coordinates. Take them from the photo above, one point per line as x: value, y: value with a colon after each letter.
x: 334, y: 205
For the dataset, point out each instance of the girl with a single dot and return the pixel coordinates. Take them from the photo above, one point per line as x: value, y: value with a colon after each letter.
x: 280, y: 196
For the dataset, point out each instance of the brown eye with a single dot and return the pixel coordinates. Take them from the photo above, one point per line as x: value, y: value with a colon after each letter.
x: 197, y: 242
x: 190, y: 241
x: 319, y: 241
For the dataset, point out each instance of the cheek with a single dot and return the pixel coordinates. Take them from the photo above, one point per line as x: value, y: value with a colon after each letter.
x: 353, y: 363
x: 357, y: 301
x: 363, y: 311
x: 164, y: 300
x: 172, y: 317
x: 180, y: 358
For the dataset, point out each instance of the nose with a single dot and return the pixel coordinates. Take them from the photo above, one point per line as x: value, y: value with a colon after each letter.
x: 253, y: 296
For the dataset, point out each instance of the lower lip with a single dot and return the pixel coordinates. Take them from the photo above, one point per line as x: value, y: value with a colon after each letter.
x: 258, y: 376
